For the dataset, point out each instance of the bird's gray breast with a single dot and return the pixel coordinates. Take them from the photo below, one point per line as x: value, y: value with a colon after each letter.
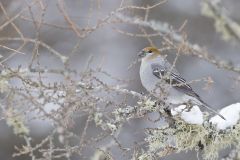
x: 149, y: 81
x: 152, y: 82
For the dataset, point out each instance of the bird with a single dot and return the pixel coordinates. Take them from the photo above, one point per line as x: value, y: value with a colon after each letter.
x: 158, y: 76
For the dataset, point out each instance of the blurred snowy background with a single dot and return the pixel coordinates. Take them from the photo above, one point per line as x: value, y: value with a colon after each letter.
x: 115, y: 52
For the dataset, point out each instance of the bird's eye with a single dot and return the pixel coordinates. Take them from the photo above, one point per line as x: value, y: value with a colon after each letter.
x: 150, y: 51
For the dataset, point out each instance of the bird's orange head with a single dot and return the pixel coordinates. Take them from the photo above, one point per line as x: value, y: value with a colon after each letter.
x: 149, y: 50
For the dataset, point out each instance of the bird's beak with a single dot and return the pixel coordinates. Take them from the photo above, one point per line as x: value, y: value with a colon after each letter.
x: 141, y: 54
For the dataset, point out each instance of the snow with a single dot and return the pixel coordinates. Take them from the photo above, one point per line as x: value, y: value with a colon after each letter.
x: 194, y: 116
x: 177, y: 110
x: 230, y: 113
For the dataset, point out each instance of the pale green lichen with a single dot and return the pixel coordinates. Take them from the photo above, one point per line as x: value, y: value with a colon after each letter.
x: 219, y: 24
x: 122, y: 114
x: 112, y: 127
x: 185, y: 137
x: 4, y: 85
x: 101, y: 155
x: 188, y: 136
x: 16, y: 121
x: 182, y: 136
x: 64, y: 59
x: 219, y: 141
x: 237, y: 155
x: 98, y: 118
x: 147, y: 105
x: 99, y: 121
x: 159, y: 138
x: 237, y: 152
x: 145, y: 156
x: 223, y: 24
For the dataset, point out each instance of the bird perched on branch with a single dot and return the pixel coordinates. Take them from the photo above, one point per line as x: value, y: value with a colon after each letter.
x: 158, y: 76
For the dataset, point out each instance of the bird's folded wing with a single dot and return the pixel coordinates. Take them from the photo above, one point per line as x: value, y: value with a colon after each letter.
x: 173, y: 79
x: 178, y: 83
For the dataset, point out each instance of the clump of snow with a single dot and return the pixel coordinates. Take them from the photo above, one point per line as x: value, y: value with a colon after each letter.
x: 178, y: 110
x: 230, y: 113
x: 192, y: 116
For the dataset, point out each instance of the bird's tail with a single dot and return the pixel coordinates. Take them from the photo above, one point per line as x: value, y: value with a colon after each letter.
x: 210, y: 109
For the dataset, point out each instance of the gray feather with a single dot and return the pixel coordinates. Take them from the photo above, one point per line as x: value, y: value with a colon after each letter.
x: 178, y: 83
x: 174, y: 79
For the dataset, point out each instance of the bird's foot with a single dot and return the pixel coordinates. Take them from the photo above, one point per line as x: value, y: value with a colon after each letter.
x: 188, y: 105
x: 168, y: 111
